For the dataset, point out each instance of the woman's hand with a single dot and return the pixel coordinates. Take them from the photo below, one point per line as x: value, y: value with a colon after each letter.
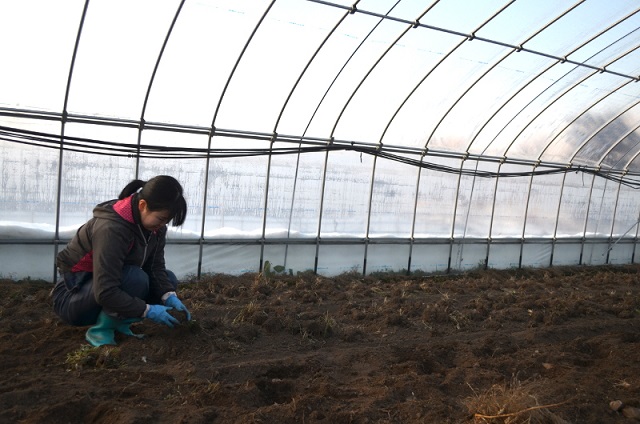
x: 159, y: 314
x: 175, y: 303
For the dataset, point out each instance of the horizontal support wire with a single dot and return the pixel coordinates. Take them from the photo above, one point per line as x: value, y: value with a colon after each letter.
x: 298, y: 145
x: 312, y: 241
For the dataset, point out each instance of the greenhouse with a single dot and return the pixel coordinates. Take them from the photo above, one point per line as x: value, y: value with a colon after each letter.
x: 320, y: 211
x: 328, y: 136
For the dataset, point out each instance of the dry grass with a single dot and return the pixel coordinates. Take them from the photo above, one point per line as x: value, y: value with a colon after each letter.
x: 514, y: 403
x: 98, y: 357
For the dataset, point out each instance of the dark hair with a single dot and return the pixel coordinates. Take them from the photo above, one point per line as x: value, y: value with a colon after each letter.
x: 162, y: 192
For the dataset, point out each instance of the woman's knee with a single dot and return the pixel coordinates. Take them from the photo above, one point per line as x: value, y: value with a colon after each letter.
x: 75, y: 308
x: 173, y: 279
x: 135, y: 281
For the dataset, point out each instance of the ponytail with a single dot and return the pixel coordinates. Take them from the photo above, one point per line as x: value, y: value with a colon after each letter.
x: 180, y: 212
x: 131, y: 188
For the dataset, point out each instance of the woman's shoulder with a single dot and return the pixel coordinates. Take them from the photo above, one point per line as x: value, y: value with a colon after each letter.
x: 105, y: 218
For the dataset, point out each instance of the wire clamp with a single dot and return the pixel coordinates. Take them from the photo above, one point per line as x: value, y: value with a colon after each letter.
x: 416, y: 23
x: 353, y: 9
x: 274, y: 137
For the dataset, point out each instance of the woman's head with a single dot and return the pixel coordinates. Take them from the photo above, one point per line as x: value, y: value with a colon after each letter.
x: 160, y: 201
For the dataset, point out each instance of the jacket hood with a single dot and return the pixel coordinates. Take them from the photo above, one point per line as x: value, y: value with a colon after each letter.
x: 116, y: 210
x: 124, y: 208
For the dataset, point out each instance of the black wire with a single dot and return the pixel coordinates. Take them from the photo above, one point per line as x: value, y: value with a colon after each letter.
x: 106, y: 148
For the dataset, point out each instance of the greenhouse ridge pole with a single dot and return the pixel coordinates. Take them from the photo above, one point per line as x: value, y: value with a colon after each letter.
x: 635, y: 240
x: 212, y: 132
x: 555, y: 229
x: 275, y: 129
x: 493, y: 216
x: 150, y: 85
x: 265, y: 206
x: 62, y: 136
x: 599, y: 217
x: 368, y: 225
x: 526, y: 216
x: 613, y: 223
x: 453, y: 221
x: 353, y: 9
x: 415, y: 215
x: 586, y: 221
x: 295, y: 182
x: 524, y: 224
x: 375, y: 158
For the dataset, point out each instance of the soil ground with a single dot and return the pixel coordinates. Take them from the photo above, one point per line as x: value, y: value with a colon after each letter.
x: 519, y: 346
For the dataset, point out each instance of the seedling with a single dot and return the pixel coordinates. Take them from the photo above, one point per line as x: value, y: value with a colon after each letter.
x: 99, y: 357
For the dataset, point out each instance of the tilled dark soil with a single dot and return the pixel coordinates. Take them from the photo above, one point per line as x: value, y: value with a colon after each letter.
x: 539, y: 346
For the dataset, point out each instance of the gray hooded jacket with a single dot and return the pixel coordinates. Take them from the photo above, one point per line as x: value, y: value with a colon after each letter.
x: 106, y: 243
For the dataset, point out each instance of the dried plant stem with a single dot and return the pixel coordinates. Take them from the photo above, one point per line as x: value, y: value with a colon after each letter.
x: 512, y: 414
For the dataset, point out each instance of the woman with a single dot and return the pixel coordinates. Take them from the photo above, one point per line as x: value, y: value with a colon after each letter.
x: 113, y: 271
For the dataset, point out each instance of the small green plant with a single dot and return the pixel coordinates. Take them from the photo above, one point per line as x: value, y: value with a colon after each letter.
x: 269, y: 271
x: 81, y: 357
x: 98, y: 357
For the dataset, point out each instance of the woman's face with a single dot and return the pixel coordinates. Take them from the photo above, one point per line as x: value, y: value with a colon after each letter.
x: 152, y: 220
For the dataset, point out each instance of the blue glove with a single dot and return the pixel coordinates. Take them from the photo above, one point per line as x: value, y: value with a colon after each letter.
x: 159, y: 314
x: 175, y: 303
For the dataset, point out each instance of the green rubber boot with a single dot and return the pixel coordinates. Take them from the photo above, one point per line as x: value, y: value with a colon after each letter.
x: 123, y: 327
x: 103, y: 332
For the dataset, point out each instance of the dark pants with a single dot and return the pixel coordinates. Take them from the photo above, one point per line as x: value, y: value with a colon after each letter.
x: 80, y: 307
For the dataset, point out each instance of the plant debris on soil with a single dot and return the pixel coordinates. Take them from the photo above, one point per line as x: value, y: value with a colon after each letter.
x: 557, y: 345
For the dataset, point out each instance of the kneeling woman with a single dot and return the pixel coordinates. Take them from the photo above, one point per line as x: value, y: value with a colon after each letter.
x: 112, y: 273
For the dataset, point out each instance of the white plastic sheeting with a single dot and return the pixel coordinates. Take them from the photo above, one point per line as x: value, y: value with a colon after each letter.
x: 329, y: 136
